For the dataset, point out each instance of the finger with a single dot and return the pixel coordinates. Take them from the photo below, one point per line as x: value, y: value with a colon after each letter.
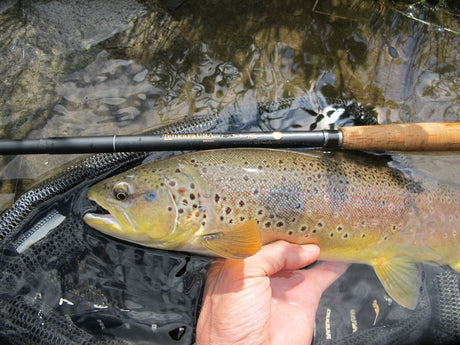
x: 278, y: 256
x: 326, y: 273
x: 305, y: 287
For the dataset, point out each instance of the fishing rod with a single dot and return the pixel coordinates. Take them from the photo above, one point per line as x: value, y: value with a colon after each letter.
x: 391, y: 137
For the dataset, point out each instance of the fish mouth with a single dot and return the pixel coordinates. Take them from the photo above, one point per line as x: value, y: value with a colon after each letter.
x: 104, y: 222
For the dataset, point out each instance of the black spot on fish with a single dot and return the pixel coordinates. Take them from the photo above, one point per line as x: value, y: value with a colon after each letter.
x: 415, y: 187
x: 260, y: 212
x: 290, y: 233
x: 192, y: 185
x: 241, y: 203
x: 345, y: 235
x: 203, y: 223
x: 185, y: 202
x: 339, y: 228
x: 172, y: 183
x: 242, y: 218
x: 177, y: 170
x: 222, y: 218
x: 279, y: 224
x: 192, y: 196
x: 181, y: 210
x: 255, y: 191
x: 228, y: 210
x: 260, y: 167
x: 268, y: 224
x: 222, y: 168
x: 245, y: 178
x: 216, y: 198
x: 170, y: 208
x: 303, y: 228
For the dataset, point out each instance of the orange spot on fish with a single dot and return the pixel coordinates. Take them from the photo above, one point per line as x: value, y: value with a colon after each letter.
x: 454, y: 233
x: 411, y: 211
x: 326, y: 197
x: 431, y: 231
x: 181, y: 190
x: 441, y: 215
x: 444, y: 235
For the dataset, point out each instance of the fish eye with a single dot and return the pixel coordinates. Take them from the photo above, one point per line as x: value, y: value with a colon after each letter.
x: 120, y: 191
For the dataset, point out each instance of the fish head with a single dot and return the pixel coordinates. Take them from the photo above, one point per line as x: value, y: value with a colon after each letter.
x: 142, y: 207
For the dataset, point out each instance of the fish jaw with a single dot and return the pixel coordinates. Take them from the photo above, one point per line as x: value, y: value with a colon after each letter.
x: 102, y: 222
x: 117, y: 226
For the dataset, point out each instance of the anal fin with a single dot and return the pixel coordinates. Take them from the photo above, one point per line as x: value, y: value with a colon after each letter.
x: 401, y: 279
x: 238, y: 243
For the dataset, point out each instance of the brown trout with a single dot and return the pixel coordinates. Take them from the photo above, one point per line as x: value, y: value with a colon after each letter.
x: 230, y: 202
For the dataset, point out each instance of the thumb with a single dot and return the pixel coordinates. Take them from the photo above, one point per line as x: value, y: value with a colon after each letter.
x: 278, y: 256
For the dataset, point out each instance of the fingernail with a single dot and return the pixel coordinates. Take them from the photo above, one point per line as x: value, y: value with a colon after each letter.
x: 310, y: 248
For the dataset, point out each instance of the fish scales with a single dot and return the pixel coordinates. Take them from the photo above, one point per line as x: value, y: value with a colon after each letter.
x: 229, y: 202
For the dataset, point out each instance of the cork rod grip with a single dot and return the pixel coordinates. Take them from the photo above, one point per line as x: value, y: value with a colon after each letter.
x: 403, y: 137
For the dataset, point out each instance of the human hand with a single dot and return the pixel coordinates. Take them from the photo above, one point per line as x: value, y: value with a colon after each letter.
x: 266, y: 298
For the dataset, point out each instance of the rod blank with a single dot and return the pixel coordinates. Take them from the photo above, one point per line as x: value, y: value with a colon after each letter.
x: 170, y: 142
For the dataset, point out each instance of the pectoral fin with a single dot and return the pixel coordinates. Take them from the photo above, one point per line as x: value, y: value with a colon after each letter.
x: 238, y: 243
x: 401, y: 279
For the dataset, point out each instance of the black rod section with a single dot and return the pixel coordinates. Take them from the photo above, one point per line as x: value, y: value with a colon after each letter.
x: 171, y: 142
